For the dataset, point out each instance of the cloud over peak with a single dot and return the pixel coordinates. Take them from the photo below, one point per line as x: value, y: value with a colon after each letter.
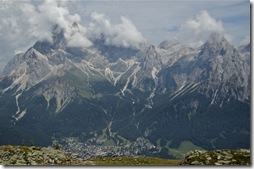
x: 197, y: 30
x: 123, y: 34
x: 34, y: 21
x: 22, y: 23
x: 204, y: 23
x: 51, y: 13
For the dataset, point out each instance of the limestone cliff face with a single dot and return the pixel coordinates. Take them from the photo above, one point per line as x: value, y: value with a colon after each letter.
x: 170, y: 92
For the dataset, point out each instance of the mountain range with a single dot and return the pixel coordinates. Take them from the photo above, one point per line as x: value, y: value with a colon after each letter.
x: 167, y: 94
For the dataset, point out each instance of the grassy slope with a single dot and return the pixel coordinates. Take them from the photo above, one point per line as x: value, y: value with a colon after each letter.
x: 128, y: 161
x: 184, y: 147
x: 77, y: 78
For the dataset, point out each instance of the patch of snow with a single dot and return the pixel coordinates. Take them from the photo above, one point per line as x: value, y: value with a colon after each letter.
x: 154, y: 72
x: 109, y: 75
x: 128, y: 80
x: 60, y: 105
x: 184, y: 89
x: 48, y: 99
x: 129, y: 64
x: 155, y: 79
x: 21, y: 80
x: 221, y: 104
x: 214, y: 97
x: 183, y: 85
x: 135, y: 75
x: 20, y: 115
x: 148, y: 106
x: 96, y: 70
x: 105, y: 111
x: 17, y: 102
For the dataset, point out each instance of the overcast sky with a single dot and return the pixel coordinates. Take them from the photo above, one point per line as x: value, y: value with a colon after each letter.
x: 124, y: 23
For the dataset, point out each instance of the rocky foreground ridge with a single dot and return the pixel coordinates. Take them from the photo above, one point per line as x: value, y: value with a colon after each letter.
x: 24, y: 155
x: 217, y: 157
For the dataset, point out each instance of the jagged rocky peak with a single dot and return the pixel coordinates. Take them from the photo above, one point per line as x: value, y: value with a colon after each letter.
x: 11, y: 65
x: 215, y: 37
x: 172, y: 50
x: 151, y: 58
x: 112, y: 52
x: 167, y: 44
x: 30, y: 57
x: 217, y: 45
x: 245, y: 53
x: 58, y: 41
x: 217, y: 53
x: 221, y: 64
x: 244, y: 48
x: 217, y: 41
x: 247, y: 48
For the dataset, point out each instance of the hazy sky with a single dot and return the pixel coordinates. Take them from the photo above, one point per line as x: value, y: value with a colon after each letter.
x: 124, y: 23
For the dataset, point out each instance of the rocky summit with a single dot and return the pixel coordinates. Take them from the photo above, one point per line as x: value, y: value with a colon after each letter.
x: 218, y: 157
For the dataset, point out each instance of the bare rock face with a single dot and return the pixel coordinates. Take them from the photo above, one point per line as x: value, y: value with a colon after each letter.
x: 170, y: 92
x: 217, y: 157
x: 23, y: 155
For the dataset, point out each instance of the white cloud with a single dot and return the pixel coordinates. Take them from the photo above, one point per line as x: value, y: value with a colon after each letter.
x: 13, y: 29
x: 204, y: 23
x: 23, y: 23
x: 52, y: 13
x: 200, y: 28
x: 20, y: 29
x: 39, y: 25
x: 124, y: 34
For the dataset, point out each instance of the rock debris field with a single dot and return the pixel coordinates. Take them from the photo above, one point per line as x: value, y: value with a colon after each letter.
x: 217, y: 157
x: 24, y: 155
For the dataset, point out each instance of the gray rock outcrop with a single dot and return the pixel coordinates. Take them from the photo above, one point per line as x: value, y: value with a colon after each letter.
x: 217, y: 157
x: 23, y: 155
